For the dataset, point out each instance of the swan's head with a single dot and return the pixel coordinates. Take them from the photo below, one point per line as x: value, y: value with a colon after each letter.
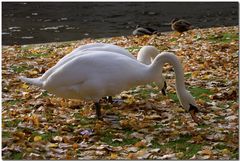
x: 189, y: 104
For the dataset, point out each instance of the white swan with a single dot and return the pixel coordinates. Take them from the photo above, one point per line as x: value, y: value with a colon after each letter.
x: 96, y: 74
x: 145, y: 55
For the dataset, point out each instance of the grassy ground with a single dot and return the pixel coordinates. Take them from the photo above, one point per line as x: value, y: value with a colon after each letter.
x: 147, y: 125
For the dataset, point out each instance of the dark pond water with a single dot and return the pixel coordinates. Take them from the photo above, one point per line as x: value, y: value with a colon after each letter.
x: 36, y: 22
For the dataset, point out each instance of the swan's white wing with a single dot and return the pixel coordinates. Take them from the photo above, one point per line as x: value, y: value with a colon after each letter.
x: 97, y: 47
x: 83, y: 50
x: 95, y: 74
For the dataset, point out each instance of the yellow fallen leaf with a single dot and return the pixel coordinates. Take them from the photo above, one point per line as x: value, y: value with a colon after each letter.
x: 37, y: 138
x: 20, y: 134
x: 206, y: 117
x: 113, y: 156
x: 195, y: 74
x: 35, y: 120
x: 225, y: 151
x: 180, y: 154
x: 130, y: 100
x: 175, y: 133
x: 206, y: 77
x: 51, y: 145
x: 34, y: 72
x: 25, y: 86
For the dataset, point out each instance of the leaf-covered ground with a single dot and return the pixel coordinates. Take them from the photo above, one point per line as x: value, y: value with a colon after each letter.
x: 146, y: 124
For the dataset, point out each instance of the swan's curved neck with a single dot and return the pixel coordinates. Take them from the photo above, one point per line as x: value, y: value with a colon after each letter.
x: 166, y: 57
x: 143, y: 58
x: 146, y: 54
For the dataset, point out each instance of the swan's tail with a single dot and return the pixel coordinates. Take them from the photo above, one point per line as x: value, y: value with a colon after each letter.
x: 34, y: 81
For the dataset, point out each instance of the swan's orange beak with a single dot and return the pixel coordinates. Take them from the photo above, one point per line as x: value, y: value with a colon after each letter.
x: 193, y: 110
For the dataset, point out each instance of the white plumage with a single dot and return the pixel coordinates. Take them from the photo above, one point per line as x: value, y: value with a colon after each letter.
x: 145, y: 55
x: 94, y: 74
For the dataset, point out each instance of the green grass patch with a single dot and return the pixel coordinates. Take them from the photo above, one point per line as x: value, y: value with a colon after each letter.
x: 180, y: 145
x: 223, y: 38
x: 188, y: 75
x: 155, y: 144
x: 36, y: 55
x: 162, y: 47
x: 6, y: 134
x: 157, y: 126
x: 173, y: 96
x: 146, y: 92
x: 44, y: 94
x: 18, y: 69
x: 202, y: 126
x: 173, y: 39
x: 48, y: 136
x: 84, y: 120
x: 192, y: 150
x: 219, y: 117
x: 45, y: 136
x: 131, y: 49
x: 12, y: 123
x: 196, y: 92
x: 235, y: 154
x: 220, y: 146
x: 128, y: 131
x: 109, y: 139
x: 16, y: 155
x: 12, y: 102
x: 197, y: 37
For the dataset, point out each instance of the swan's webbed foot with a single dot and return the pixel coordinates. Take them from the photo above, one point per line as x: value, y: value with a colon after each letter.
x: 164, y: 88
x: 193, y: 110
x: 98, y: 110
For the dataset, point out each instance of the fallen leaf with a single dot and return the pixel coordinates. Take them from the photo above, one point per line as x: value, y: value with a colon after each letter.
x: 37, y: 138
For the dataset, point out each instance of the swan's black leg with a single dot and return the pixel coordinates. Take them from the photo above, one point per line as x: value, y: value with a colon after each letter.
x: 98, y: 110
x: 164, y: 88
x: 164, y: 92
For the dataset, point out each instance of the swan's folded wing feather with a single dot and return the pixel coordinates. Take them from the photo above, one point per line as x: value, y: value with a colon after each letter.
x: 84, y: 50
x: 105, y: 67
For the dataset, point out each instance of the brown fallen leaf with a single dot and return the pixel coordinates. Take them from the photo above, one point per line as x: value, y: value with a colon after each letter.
x: 195, y: 118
